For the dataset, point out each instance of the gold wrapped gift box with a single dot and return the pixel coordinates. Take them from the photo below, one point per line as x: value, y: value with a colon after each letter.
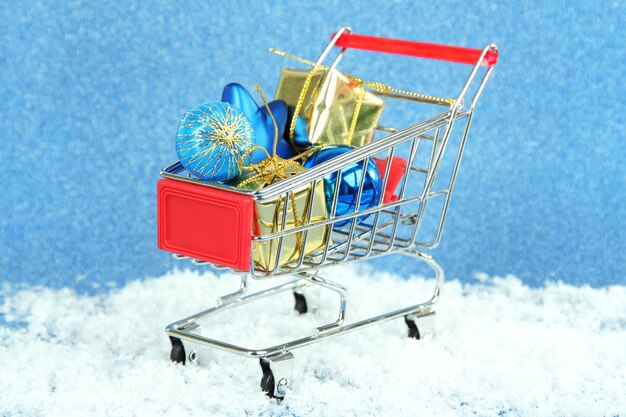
x: 268, y: 219
x: 330, y: 104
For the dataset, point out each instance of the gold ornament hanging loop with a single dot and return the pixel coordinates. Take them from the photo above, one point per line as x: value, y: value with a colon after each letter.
x: 375, y: 86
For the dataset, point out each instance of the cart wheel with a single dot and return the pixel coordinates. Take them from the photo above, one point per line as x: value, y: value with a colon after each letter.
x: 177, y: 354
x: 421, y: 325
x: 277, y: 374
x: 300, y: 306
x: 267, y: 380
x: 414, y: 332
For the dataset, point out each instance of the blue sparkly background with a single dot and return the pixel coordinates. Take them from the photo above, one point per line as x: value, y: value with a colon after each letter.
x: 91, y: 94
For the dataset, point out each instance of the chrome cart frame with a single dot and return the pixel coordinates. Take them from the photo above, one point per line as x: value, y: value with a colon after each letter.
x: 390, y: 228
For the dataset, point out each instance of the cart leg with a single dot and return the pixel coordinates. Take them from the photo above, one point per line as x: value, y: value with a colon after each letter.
x: 421, y: 325
x: 277, y: 374
x: 439, y: 275
x: 180, y: 353
x: 333, y: 286
x: 233, y: 297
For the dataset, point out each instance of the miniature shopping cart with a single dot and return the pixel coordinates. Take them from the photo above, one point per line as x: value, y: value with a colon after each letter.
x: 212, y: 224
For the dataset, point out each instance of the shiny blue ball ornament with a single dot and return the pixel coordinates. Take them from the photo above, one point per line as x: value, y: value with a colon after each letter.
x: 211, y: 139
x: 349, y: 185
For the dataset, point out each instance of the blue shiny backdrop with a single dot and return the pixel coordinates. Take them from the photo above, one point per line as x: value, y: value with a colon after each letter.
x: 91, y: 94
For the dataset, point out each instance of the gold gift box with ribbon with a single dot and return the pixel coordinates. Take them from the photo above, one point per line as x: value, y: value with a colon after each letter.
x: 329, y: 105
x: 268, y: 218
x: 302, y: 206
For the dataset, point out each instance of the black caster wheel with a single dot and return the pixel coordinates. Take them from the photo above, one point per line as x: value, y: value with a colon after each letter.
x: 414, y: 332
x: 277, y: 374
x: 300, y: 306
x: 268, y: 385
x: 177, y: 353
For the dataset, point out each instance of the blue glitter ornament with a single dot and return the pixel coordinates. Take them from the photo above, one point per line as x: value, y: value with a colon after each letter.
x: 211, y: 138
x: 238, y: 96
x: 349, y: 184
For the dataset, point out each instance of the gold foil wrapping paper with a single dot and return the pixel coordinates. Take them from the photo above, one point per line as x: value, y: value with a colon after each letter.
x: 330, y: 104
x: 268, y: 218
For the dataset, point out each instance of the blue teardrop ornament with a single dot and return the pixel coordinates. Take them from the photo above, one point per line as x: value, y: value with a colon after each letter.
x: 264, y: 131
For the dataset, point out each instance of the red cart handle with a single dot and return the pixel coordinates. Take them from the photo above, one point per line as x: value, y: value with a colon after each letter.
x: 417, y: 49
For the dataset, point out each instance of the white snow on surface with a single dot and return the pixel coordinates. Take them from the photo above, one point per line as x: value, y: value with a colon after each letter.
x: 502, y: 349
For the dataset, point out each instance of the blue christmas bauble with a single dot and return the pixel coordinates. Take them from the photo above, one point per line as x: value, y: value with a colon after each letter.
x: 349, y: 185
x: 211, y: 139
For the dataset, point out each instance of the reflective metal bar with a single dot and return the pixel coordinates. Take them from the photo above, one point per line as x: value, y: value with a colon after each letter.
x: 178, y: 329
x: 425, y: 193
x: 390, y: 155
x: 389, y: 205
x: 309, y: 208
x: 333, y: 286
x: 415, y: 145
x: 246, y: 299
x: 357, y: 205
x: 333, y: 41
x: 333, y: 211
x: 472, y: 75
x: 353, y: 156
x: 243, y: 287
x: 279, y: 249
x: 418, y: 169
x: 457, y: 163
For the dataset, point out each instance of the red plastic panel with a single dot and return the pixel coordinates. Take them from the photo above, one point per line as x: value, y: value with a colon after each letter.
x: 205, y: 223
x: 396, y: 173
x: 417, y: 49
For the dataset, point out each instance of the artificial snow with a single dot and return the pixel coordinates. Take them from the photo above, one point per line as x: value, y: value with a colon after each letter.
x: 502, y: 348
